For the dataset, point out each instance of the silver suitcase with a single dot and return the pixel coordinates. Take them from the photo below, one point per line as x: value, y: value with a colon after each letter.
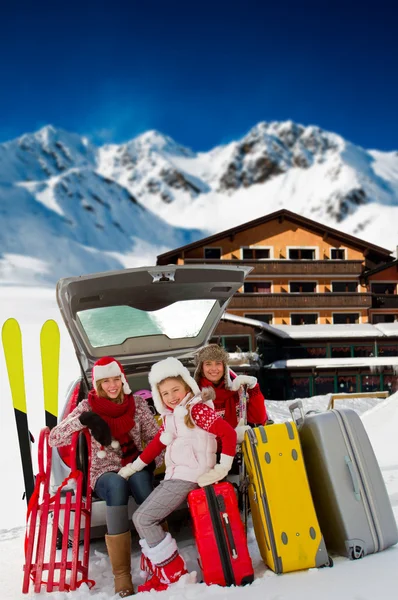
x: 349, y: 493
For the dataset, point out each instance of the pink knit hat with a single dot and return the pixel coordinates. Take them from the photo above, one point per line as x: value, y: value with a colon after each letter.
x: 109, y: 367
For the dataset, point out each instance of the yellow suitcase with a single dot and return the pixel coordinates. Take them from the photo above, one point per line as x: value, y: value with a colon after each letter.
x: 284, y: 518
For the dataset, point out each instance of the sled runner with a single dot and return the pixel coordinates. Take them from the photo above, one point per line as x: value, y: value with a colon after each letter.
x: 220, y: 536
x: 72, y: 503
x: 284, y: 518
x: 347, y: 485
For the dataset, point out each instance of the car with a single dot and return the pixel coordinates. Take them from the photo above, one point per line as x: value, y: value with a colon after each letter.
x: 139, y: 316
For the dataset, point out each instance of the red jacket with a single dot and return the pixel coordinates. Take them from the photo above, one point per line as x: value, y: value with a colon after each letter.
x: 227, y: 402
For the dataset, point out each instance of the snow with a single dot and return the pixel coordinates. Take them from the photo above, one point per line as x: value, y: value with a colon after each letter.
x: 359, y: 330
x: 328, y: 363
x: 375, y: 576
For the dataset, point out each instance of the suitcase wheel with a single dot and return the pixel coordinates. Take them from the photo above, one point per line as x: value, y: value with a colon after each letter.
x: 329, y: 564
x: 356, y: 552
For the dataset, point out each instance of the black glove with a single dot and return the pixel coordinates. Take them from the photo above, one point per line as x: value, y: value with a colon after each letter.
x: 99, y: 428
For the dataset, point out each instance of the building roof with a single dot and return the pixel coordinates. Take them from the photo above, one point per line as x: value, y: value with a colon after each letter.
x: 281, y: 214
x: 319, y: 332
x: 381, y: 268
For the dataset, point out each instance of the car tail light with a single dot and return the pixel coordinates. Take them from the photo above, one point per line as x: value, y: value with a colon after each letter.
x: 64, y: 451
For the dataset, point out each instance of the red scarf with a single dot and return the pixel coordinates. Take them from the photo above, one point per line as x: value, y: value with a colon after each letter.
x: 226, y: 400
x: 120, y: 418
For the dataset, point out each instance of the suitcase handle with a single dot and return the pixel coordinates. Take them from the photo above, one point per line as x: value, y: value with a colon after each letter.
x: 230, y: 536
x: 298, y: 405
x: 228, y: 528
x: 354, y: 478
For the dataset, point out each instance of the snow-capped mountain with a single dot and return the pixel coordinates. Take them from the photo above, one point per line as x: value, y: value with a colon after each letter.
x: 60, y: 216
x: 305, y: 169
x: 70, y: 207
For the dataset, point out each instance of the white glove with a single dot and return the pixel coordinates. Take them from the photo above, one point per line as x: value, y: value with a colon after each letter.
x: 132, y: 468
x: 240, y: 431
x: 243, y: 380
x: 218, y: 472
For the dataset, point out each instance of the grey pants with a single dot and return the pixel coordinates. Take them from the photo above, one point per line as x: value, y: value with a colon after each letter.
x: 160, y: 503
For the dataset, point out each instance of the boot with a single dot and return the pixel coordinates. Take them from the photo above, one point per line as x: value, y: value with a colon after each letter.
x: 119, y: 550
x: 163, y: 563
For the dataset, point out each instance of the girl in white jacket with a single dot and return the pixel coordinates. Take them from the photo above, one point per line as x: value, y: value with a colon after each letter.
x: 189, y: 431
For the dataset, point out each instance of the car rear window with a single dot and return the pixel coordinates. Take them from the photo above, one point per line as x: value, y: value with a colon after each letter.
x: 112, y: 325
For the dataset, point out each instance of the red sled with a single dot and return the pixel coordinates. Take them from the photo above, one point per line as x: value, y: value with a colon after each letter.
x: 67, y: 569
x: 220, y: 536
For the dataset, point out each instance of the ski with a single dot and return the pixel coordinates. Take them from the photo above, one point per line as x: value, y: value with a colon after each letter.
x: 49, y: 349
x: 12, y: 345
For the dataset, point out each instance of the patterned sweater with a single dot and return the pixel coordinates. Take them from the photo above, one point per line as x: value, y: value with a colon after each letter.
x: 144, y: 430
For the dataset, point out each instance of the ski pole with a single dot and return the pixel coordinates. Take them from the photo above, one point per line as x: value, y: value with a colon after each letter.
x: 242, y: 469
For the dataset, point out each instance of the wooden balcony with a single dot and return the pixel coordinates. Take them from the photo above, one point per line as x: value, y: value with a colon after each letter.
x: 383, y: 301
x: 349, y: 268
x: 301, y: 301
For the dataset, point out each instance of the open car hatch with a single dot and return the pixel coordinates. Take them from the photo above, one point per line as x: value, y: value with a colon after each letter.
x: 142, y: 315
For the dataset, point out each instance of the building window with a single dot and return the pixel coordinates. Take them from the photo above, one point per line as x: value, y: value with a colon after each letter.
x: 337, y: 253
x: 390, y: 383
x: 363, y: 350
x: 300, y: 387
x: 260, y: 317
x: 316, y: 351
x: 347, y: 384
x: 387, y: 318
x: 345, y: 318
x: 236, y: 343
x: 383, y: 288
x: 213, y: 253
x: 303, y: 319
x: 294, y: 352
x: 370, y: 383
x: 304, y: 352
x: 302, y: 287
x: 340, y: 351
x: 257, y: 287
x: 387, y: 349
x: 324, y: 384
x: 302, y: 253
x: 344, y: 286
x: 255, y: 253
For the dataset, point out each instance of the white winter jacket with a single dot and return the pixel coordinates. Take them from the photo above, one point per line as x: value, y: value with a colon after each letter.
x: 191, y: 451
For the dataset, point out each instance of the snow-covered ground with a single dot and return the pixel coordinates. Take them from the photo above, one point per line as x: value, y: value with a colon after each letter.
x: 371, y: 578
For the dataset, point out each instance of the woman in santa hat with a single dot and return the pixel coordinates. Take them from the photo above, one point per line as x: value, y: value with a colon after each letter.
x: 120, y: 425
x: 189, y: 432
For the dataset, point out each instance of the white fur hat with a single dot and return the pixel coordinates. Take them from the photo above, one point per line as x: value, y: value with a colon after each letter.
x: 109, y: 367
x: 169, y: 367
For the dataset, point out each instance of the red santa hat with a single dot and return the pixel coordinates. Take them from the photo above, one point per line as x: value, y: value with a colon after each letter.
x: 109, y: 367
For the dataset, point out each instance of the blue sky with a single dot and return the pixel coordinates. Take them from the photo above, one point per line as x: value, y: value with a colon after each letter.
x: 203, y: 73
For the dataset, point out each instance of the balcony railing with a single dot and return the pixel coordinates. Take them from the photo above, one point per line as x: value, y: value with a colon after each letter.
x: 385, y: 301
x: 349, y: 268
x: 301, y: 301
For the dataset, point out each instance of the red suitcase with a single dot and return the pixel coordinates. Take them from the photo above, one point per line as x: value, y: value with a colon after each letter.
x: 220, y: 536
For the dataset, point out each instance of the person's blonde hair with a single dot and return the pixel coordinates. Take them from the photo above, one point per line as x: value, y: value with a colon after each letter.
x: 187, y: 419
x: 102, y: 394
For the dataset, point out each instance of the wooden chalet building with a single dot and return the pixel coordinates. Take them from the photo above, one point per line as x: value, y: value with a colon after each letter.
x: 303, y: 272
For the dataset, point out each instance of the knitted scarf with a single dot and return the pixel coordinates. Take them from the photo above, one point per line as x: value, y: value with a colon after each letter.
x: 120, y: 418
x: 226, y: 400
